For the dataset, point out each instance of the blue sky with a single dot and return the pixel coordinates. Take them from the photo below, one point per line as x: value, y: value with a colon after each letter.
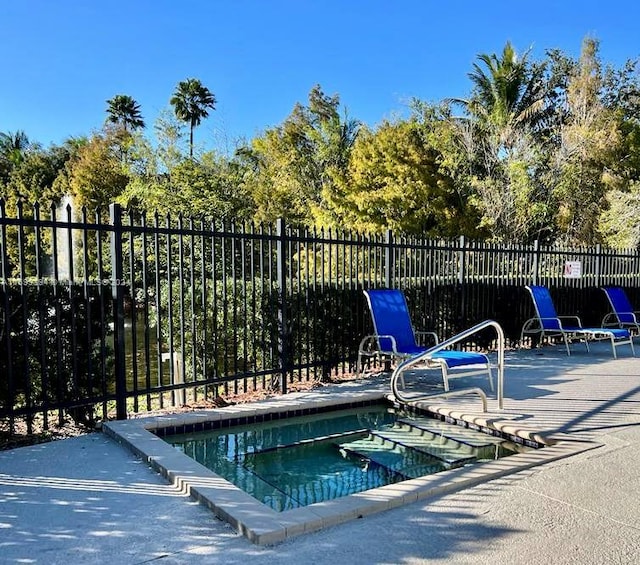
x: 62, y: 59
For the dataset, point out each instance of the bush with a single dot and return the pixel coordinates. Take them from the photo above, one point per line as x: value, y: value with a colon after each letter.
x: 55, y: 349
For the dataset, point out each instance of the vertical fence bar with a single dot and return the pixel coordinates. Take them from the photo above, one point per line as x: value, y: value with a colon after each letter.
x: 233, y: 251
x: 158, y: 301
x: 25, y: 320
x: 245, y: 319
x: 4, y: 262
x: 179, y: 363
x: 58, y: 313
x: 536, y: 262
x: 170, y: 322
x: 203, y: 305
x: 283, y: 348
x: 388, y: 259
x: 133, y: 309
x: 117, y: 296
x: 44, y: 366
x: 224, y: 302
x: 192, y: 305
x: 86, y: 293
x: 103, y: 313
x: 214, y: 306
x: 145, y: 312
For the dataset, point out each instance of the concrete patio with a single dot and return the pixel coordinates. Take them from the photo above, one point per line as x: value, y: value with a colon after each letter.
x: 90, y: 500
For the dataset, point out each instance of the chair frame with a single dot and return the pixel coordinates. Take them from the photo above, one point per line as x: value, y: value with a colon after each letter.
x: 554, y: 326
x: 622, y: 315
x: 371, y: 347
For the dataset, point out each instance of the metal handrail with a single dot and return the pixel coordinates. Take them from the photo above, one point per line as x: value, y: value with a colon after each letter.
x: 447, y: 343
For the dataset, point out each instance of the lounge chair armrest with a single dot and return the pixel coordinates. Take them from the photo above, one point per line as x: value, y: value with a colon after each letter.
x: 532, y: 325
x: 540, y: 321
x: 434, y: 335
x: 375, y: 339
x: 611, y: 319
x: 576, y: 318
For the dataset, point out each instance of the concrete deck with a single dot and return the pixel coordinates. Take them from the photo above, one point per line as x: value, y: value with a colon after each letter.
x: 89, y: 500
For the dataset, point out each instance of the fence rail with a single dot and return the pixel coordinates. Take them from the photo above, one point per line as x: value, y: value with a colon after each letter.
x: 127, y: 313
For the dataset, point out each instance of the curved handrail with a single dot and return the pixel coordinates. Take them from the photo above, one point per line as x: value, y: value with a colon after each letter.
x: 447, y: 343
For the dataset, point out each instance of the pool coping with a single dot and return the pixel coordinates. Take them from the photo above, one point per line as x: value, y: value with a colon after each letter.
x: 264, y: 526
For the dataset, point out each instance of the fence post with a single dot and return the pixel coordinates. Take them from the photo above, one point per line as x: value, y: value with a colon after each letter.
x: 117, y: 296
x: 462, y: 275
x: 598, y: 264
x: 283, y: 337
x: 388, y: 260
x: 536, y: 261
x: 462, y: 271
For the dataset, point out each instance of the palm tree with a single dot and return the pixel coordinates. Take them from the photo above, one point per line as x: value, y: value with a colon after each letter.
x: 508, y: 92
x: 124, y: 111
x: 13, y: 146
x: 190, y: 102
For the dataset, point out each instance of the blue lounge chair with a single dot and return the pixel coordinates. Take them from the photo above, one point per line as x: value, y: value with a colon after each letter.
x: 395, y: 339
x: 548, y: 323
x: 623, y: 315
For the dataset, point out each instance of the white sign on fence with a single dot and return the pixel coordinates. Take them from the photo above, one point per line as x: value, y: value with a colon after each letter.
x: 572, y: 269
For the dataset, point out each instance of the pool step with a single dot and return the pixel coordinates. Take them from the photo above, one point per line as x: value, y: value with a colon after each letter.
x: 448, y: 450
x: 458, y: 433
x: 416, y: 446
x: 450, y: 436
x: 407, y: 462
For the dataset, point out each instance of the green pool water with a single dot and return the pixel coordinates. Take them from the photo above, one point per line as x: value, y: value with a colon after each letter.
x: 303, y: 460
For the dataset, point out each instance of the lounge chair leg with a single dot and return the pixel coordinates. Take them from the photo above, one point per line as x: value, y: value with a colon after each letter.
x: 613, y: 347
x: 445, y: 378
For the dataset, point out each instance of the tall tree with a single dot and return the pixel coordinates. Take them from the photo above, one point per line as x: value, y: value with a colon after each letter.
x: 191, y: 102
x: 94, y: 176
x: 124, y: 111
x: 590, y: 142
x: 507, y: 118
x: 508, y: 91
x: 293, y: 167
x: 396, y: 180
x: 12, y: 151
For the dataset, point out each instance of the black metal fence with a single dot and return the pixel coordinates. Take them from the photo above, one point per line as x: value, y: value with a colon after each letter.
x: 117, y: 313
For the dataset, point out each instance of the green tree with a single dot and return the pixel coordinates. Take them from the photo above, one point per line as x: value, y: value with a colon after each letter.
x: 13, y: 146
x: 508, y: 92
x: 589, y: 143
x: 191, y: 102
x: 508, y: 117
x: 208, y: 188
x: 618, y: 224
x: 12, y: 149
x: 32, y: 181
x: 94, y: 176
x: 124, y: 111
x: 395, y: 181
x: 291, y: 170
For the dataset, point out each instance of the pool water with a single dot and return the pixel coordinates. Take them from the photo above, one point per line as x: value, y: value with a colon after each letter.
x: 299, y: 461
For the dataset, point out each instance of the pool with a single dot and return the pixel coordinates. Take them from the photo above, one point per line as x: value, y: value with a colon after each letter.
x: 299, y: 461
x: 260, y: 521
